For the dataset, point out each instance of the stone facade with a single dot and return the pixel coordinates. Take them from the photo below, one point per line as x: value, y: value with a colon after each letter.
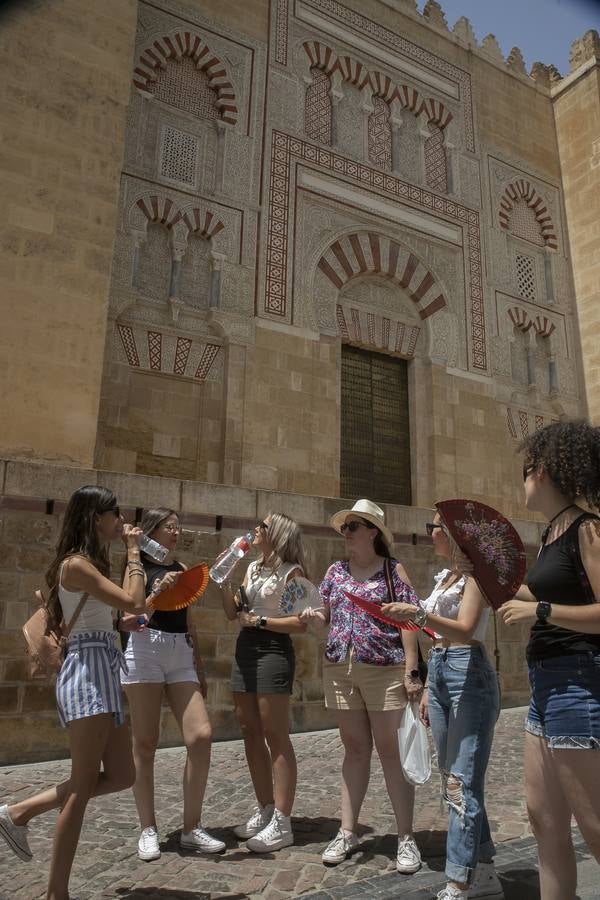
x: 206, y: 206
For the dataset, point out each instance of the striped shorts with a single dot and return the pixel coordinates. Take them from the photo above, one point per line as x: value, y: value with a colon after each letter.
x: 88, y: 683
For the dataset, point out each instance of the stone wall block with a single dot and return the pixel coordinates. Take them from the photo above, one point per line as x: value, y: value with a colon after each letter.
x: 142, y: 490
x: 45, y: 481
x: 218, y: 500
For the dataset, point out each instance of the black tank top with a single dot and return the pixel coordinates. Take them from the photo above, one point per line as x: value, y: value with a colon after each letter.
x: 174, y: 622
x: 558, y: 576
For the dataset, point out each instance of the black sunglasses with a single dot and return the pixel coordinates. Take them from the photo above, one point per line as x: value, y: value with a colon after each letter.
x: 115, y: 510
x: 431, y: 526
x: 263, y: 526
x: 353, y: 526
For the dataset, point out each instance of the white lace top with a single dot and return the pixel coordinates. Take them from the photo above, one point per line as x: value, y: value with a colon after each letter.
x: 265, y: 591
x: 445, y: 602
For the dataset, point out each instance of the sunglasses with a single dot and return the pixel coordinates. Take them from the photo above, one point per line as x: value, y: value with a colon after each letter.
x: 263, y: 526
x: 172, y: 529
x: 353, y: 526
x: 115, y: 510
x: 430, y: 527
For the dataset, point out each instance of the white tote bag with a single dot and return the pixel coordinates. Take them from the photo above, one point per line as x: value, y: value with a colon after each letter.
x: 414, y: 746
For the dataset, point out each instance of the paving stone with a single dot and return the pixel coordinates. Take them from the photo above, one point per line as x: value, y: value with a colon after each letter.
x: 107, y: 867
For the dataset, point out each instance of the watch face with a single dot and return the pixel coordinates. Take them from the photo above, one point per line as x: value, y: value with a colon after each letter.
x: 414, y: 673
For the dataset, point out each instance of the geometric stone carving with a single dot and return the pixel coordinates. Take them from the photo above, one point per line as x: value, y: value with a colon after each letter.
x: 171, y: 354
x: 178, y: 156
x: 523, y: 191
x: 526, y: 277
x: 387, y: 333
x: 178, y: 47
x: 380, y: 135
x: 181, y: 85
x: 317, y: 107
x: 436, y: 165
x: 519, y: 318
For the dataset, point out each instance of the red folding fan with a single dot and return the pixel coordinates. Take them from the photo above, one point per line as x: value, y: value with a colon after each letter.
x: 492, y: 544
x: 189, y: 587
x: 375, y: 610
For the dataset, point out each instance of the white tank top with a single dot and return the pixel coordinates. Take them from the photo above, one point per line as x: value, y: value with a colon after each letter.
x: 265, y: 591
x: 94, y: 615
x: 445, y: 602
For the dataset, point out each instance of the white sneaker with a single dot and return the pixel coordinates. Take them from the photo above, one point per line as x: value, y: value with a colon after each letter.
x: 148, y: 844
x: 452, y: 893
x: 486, y: 883
x: 341, y: 847
x: 261, y: 817
x: 277, y: 834
x: 408, y: 858
x: 14, y: 835
x: 200, y: 840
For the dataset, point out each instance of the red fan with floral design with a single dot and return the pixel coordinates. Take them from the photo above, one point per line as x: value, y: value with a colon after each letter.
x: 375, y: 610
x: 188, y: 588
x: 492, y: 544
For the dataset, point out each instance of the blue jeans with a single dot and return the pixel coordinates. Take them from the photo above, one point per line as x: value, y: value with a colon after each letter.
x: 463, y: 707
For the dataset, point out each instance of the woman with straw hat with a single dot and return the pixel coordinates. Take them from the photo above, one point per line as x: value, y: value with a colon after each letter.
x: 369, y: 673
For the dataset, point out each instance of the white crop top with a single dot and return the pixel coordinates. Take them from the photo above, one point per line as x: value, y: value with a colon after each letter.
x: 265, y: 591
x: 445, y: 602
x: 94, y: 615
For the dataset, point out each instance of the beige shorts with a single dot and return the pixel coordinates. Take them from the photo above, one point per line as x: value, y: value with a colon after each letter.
x: 352, y: 685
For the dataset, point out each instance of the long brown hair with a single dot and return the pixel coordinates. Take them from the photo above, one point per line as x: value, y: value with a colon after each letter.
x: 79, y: 537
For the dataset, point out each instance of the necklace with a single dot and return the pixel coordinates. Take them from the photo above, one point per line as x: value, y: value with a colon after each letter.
x: 546, y: 530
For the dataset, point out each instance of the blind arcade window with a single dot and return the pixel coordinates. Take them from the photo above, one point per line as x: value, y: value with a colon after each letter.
x: 375, y: 436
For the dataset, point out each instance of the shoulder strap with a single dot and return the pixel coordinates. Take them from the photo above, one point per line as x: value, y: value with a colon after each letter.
x: 387, y: 571
x: 68, y: 628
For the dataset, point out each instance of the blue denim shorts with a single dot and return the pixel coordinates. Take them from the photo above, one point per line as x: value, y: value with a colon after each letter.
x: 565, y: 701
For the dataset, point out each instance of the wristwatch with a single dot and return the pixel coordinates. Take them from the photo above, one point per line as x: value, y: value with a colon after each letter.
x: 543, y: 611
x: 414, y: 674
x: 420, y: 617
x: 261, y: 622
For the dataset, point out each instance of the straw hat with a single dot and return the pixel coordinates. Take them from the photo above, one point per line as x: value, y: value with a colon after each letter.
x: 365, y: 509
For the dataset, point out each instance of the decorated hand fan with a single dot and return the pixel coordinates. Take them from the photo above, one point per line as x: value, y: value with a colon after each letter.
x: 189, y: 587
x: 375, y: 610
x: 298, y: 595
x: 492, y: 544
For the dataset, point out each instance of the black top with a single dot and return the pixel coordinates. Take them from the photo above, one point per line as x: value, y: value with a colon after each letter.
x: 558, y: 576
x: 174, y: 622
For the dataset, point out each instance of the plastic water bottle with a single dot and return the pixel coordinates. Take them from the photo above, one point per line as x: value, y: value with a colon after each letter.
x: 227, y: 561
x: 153, y: 549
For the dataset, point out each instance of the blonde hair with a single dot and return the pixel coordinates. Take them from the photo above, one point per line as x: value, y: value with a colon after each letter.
x: 285, y: 538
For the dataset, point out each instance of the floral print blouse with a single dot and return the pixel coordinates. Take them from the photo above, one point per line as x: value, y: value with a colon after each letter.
x: 374, y: 642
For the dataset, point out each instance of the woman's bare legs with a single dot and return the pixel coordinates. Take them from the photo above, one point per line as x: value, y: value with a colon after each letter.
x: 274, y: 711
x: 385, y: 726
x: 190, y: 713
x: 550, y: 816
x: 144, y: 709
x: 257, y: 752
x: 355, y: 734
x: 91, y: 740
x: 117, y: 775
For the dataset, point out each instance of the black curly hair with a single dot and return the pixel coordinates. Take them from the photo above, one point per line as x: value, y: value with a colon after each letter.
x: 570, y: 453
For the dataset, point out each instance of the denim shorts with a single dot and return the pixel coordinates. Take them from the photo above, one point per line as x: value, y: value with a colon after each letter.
x: 565, y: 701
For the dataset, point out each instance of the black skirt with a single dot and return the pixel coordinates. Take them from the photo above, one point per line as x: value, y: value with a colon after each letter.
x: 264, y: 663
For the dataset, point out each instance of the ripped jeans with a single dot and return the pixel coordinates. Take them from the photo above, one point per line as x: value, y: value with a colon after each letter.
x: 463, y: 707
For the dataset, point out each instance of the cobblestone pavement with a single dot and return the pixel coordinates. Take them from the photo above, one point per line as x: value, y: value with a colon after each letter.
x: 107, y: 866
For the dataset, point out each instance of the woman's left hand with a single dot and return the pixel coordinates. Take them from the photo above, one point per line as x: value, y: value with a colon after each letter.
x: 414, y: 688
x: 401, y: 612
x: 246, y: 619
x: 515, y: 611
